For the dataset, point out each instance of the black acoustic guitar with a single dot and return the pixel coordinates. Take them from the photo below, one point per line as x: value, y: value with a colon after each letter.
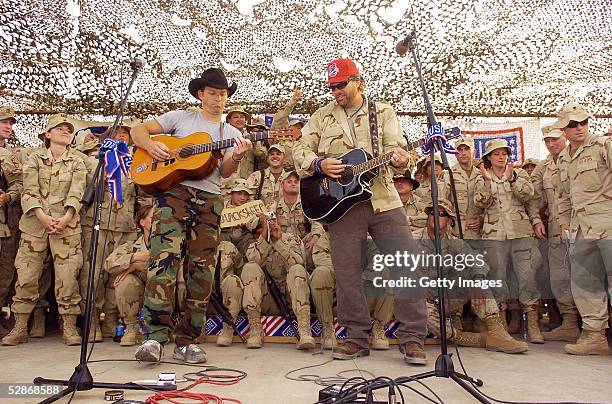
x: 327, y: 199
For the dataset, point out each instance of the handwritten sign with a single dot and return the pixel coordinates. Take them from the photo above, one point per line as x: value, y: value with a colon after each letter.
x: 243, y: 214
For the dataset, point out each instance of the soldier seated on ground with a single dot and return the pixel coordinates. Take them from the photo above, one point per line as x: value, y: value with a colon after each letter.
x: 281, y: 254
x: 129, y: 263
x: 265, y: 184
x: 482, y: 301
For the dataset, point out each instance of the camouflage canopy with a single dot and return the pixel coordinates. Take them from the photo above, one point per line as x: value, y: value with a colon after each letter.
x: 491, y: 57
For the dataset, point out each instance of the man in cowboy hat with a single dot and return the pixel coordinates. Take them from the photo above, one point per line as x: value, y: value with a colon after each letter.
x: 585, y: 216
x: 188, y: 212
x: 333, y: 130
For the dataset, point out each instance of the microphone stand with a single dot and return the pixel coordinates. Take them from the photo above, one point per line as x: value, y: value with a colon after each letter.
x: 81, y: 378
x: 444, y: 363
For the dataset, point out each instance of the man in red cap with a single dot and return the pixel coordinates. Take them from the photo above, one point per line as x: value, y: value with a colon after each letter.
x: 333, y: 130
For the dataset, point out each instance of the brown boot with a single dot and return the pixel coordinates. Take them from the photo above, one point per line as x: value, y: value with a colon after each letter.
x: 109, y: 325
x: 498, y: 338
x: 514, y: 327
x: 470, y: 339
x: 589, y: 343
x: 95, y: 332
x: 414, y: 353
x: 19, y: 333
x: 533, y: 328
x: 328, y: 336
x: 255, y: 339
x: 379, y: 339
x: 226, y: 337
x: 349, y: 350
x: 306, y: 341
x: 38, y: 323
x: 130, y: 336
x: 567, y: 331
x: 71, y: 336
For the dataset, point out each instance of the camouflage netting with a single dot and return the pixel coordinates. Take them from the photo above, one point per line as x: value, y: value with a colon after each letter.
x: 479, y: 57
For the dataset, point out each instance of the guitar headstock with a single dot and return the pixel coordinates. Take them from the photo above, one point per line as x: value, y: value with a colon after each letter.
x: 284, y: 134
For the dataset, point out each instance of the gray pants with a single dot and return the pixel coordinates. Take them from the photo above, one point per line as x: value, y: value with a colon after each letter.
x: 389, y: 230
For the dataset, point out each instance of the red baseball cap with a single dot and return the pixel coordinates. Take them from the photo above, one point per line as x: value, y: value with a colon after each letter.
x: 341, y: 70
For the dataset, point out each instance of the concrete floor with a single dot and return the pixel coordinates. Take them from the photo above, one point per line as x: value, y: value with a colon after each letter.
x: 544, y: 374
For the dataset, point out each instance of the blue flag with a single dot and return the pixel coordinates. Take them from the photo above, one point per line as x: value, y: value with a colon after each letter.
x: 118, y: 161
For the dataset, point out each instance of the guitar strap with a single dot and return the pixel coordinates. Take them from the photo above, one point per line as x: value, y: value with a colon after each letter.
x: 373, y: 122
x: 261, y: 181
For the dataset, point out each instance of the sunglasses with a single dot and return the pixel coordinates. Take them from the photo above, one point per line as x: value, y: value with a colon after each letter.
x: 573, y: 124
x: 338, y: 86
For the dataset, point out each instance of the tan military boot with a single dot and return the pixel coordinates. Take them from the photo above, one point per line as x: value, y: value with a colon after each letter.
x: 255, y: 339
x: 305, y: 341
x: 589, y: 343
x: 109, y: 325
x: 533, y: 328
x: 470, y: 339
x: 130, y: 336
x: 514, y: 327
x: 328, y: 336
x: 19, y: 333
x: 567, y: 331
x: 379, y: 339
x: 95, y: 332
x: 227, y: 336
x: 498, y: 338
x: 479, y: 325
x: 71, y: 336
x: 38, y: 323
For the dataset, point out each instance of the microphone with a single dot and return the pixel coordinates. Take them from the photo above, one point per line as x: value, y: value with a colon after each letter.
x: 405, y: 44
x: 137, y: 63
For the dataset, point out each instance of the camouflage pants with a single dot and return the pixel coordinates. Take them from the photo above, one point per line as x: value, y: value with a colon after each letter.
x: 185, y: 226
x: 130, y: 295
x: 30, y: 260
x: 518, y: 252
x: 257, y: 298
x: 322, y: 287
x: 591, y: 280
x: 231, y: 285
x: 103, y: 285
x: 558, y: 259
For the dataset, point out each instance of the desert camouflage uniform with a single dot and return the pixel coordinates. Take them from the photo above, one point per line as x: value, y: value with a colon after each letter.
x: 547, y: 185
x: 283, y: 259
x: 508, y: 235
x: 271, y: 190
x: 184, y: 219
x: 414, y: 211
x: 52, y: 186
x: 586, y: 206
x: 281, y: 121
x: 464, y: 185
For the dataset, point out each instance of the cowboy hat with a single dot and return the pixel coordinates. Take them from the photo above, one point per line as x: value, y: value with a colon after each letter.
x: 214, y: 78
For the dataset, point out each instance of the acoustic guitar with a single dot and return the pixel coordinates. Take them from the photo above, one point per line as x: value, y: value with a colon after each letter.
x: 327, y: 199
x: 191, y: 158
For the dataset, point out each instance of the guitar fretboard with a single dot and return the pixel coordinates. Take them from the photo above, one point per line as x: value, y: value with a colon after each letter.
x: 384, y: 159
x: 221, y: 144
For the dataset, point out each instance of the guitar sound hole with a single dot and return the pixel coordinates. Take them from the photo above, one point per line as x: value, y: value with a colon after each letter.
x: 347, y: 176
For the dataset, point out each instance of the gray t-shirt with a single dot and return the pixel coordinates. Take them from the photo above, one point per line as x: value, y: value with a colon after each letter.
x: 181, y: 123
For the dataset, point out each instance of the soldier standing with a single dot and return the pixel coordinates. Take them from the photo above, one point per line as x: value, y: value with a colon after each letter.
x: 465, y: 176
x: 585, y: 212
x: 54, y: 183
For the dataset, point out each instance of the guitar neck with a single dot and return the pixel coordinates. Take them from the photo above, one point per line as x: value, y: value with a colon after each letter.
x: 225, y: 143
x: 384, y: 159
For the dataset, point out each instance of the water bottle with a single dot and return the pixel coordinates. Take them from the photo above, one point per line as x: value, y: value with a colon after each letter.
x: 119, y: 331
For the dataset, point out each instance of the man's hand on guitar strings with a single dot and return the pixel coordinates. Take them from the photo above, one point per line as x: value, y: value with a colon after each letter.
x: 241, y: 146
x: 158, y: 151
x: 332, y: 167
x: 400, y: 156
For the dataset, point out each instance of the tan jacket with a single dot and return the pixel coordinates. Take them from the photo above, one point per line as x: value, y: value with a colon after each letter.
x: 328, y: 134
x: 505, y: 206
x: 281, y: 121
x: 121, y: 257
x: 271, y: 190
x: 586, y: 188
x: 10, y: 170
x: 52, y: 186
x: 464, y: 185
x: 292, y: 219
x: 547, y: 187
x: 414, y: 209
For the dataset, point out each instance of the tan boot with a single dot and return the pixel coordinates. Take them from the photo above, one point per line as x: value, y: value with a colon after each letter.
x: 567, y: 331
x: 306, y: 341
x: 255, y: 339
x: 19, y: 333
x: 95, y: 332
x: 589, y: 343
x: 328, y: 336
x: 533, y: 328
x: 457, y: 322
x: 226, y: 337
x: 130, y: 336
x: 109, y: 325
x: 379, y: 339
x: 479, y: 325
x: 71, y: 336
x: 469, y: 339
x: 38, y: 323
x: 514, y: 327
x: 498, y: 338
